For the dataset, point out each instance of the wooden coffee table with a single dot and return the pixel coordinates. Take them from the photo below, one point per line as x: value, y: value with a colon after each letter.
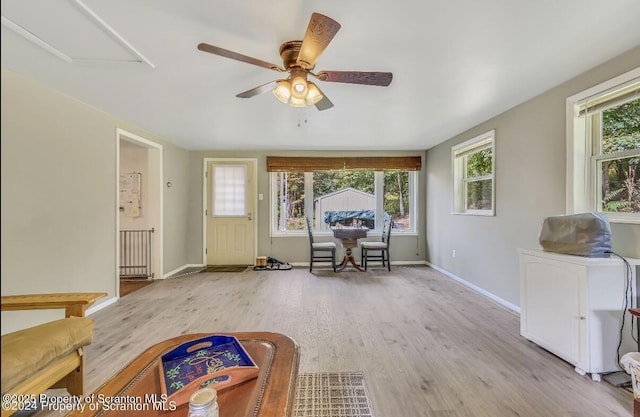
x: 272, y: 393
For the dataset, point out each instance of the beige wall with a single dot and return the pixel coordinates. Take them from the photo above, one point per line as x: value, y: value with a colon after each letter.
x: 59, y: 193
x: 134, y: 160
x: 291, y: 249
x: 530, y: 185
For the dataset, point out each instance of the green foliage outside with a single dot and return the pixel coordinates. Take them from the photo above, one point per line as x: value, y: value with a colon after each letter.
x: 396, y: 197
x: 479, y: 191
x: 325, y: 182
x: 621, y: 176
x: 294, y: 190
x: 396, y: 187
x: 396, y: 193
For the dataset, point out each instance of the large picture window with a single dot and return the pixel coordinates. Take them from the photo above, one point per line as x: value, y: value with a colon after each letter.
x: 604, y: 164
x: 473, y: 176
x: 345, y: 196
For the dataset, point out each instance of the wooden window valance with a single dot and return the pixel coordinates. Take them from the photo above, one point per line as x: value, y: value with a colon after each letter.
x: 310, y: 164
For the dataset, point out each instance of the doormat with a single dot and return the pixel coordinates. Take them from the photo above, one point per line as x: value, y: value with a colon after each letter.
x: 335, y: 394
x: 225, y: 268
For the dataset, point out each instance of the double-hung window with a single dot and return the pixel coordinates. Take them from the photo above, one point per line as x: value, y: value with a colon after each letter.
x: 473, y: 176
x: 604, y: 149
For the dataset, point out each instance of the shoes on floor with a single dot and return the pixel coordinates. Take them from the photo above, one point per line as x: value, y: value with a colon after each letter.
x: 273, y: 264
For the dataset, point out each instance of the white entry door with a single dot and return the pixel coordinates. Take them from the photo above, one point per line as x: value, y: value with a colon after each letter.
x: 230, y: 212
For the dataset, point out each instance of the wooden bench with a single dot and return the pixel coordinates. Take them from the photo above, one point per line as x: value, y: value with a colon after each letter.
x: 48, y: 355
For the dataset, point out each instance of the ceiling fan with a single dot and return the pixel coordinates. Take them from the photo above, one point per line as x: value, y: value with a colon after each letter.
x: 299, y: 59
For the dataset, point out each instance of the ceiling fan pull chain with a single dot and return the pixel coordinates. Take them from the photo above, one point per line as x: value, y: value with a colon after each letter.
x: 302, y: 114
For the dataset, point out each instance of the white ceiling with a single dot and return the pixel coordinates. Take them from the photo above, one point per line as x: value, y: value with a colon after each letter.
x: 455, y: 63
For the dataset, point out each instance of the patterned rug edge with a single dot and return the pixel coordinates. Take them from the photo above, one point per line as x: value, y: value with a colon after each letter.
x: 334, y: 394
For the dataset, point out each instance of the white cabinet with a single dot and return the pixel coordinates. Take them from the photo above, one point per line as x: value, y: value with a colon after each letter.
x: 573, y: 307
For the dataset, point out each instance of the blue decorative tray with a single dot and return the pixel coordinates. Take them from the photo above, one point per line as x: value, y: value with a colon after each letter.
x: 217, y: 361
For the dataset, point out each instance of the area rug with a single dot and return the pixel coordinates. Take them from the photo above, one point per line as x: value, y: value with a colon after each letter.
x: 332, y: 394
x: 225, y: 268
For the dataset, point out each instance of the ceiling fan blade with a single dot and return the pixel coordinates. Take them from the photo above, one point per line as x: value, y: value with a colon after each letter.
x: 381, y: 79
x: 324, y: 103
x: 259, y: 90
x: 205, y: 47
x: 320, y: 31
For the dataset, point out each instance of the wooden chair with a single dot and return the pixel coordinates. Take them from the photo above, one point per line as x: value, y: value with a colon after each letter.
x: 48, y: 355
x: 378, y: 251
x: 320, y: 251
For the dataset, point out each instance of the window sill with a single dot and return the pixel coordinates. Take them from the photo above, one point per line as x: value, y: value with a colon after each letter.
x: 474, y: 213
x: 631, y: 219
x: 304, y: 234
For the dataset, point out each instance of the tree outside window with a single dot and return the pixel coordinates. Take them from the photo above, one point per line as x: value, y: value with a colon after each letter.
x: 603, y: 149
x: 618, y: 159
x: 473, y: 176
x: 290, y: 194
x: 396, y: 198
x: 345, y: 191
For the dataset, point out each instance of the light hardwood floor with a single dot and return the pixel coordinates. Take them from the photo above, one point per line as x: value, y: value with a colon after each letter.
x: 427, y: 345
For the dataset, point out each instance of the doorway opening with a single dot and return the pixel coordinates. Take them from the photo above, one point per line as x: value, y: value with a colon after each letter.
x: 139, y: 212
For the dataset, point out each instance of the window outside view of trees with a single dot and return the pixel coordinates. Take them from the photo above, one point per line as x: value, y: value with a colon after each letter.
x: 473, y: 165
x: 344, y: 191
x: 396, y: 198
x: 289, y: 188
x: 603, y: 142
x: 478, y: 179
x: 617, y: 157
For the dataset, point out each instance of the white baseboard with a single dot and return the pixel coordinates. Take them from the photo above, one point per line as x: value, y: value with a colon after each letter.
x: 100, y: 306
x: 182, y: 268
x: 476, y: 288
x: 377, y: 263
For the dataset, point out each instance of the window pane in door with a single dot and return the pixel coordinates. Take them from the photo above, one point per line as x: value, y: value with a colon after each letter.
x: 229, y: 184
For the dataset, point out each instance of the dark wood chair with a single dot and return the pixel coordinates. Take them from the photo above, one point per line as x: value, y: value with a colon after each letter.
x: 378, y: 251
x: 320, y: 251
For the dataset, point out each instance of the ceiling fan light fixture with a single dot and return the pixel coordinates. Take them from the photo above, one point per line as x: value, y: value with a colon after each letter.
x: 297, y: 102
x: 299, y: 59
x: 283, y: 91
x: 299, y: 84
x: 313, y: 95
